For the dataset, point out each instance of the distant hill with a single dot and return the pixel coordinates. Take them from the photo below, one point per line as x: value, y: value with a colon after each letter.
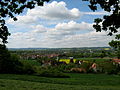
x: 98, y: 48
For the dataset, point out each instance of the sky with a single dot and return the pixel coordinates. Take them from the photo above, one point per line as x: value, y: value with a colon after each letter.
x: 57, y: 24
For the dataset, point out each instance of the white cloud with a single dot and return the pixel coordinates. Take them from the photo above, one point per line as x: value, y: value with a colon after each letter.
x: 62, y: 35
x: 91, y: 39
x: 96, y: 13
x: 50, y: 11
x: 72, y: 25
x: 54, y: 11
x: 64, y: 31
x: 39, y: 29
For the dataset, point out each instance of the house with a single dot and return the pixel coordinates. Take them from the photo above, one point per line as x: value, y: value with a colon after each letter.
x: 116, y: 60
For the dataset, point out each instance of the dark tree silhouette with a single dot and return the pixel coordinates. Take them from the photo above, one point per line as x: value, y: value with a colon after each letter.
x: 109, y: 22
x: 9, y: 8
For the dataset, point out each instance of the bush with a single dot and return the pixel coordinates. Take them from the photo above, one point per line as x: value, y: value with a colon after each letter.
x: 16, y: 63
x: 27, y: 68
x: 71, y: 65
x: 109, y: 68
x: 86, y: 66
x: 49, y: 72
x: 8, y: 63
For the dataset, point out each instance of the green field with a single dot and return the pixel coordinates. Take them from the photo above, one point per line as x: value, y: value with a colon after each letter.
x: 75, y: 82
x: 94, y: 59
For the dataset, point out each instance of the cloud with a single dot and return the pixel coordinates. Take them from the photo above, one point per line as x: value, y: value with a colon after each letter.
x: 72, y: 25
x: 39, y: 29
x: 91, y: 39
x: 50, y: 11
x: 62, y: 30
x: 96, y: 13
x: 55, y: 25
x: 62, y: 35
x: 54, y: 11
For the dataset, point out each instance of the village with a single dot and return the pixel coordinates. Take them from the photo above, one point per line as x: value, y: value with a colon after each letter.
x: 85, y: 62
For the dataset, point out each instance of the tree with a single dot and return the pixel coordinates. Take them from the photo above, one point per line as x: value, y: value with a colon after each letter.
x: 10, y: 8
x: 8, y: 63
x: 109, y: 22
x: 116, y: 44
x: 103, y: 54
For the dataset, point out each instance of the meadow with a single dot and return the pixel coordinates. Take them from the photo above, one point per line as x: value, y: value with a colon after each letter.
x: 76, y: 81
x: 34, y: 74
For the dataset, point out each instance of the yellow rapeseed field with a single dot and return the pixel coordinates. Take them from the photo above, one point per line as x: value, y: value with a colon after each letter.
x: 66, y: 60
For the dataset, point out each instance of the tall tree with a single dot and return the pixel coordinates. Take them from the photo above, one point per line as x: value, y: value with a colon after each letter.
x: 109, y: 22
x: 116, y: 44
x: 9, y: 8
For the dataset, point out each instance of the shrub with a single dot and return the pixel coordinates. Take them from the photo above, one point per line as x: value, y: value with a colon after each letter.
x: 86, y: 65
x: 16, y: 63
x: 8, y: 63
x: 61, y: 68
x: 71, y: 65
x: 49, y: 72
x: 27, y: 68
x: 109, y: 68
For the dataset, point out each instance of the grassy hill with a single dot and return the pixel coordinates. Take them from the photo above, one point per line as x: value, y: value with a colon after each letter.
x: 75, y: 82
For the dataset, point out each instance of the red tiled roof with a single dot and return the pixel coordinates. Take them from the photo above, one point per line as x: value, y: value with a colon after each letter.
x: 116, y: 60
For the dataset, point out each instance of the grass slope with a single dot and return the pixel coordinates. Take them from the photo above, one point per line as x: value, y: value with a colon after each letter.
x: 76, y: 82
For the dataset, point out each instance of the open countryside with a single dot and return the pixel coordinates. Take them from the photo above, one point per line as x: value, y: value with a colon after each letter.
x: 59, y: 45
x: 50, y: 69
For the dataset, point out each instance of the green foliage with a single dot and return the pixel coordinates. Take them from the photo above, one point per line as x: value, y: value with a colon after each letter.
x: 116, y: 44
x: 8, y: 63
x: 86, y: 66
x: 9, y: 8
x: 109, y: 22
x: 71, y: 65
x: 61, y: 67
x: 109, y: 68
x: 27, y: 68
x: 50, y: 72
x: 16, y: 63
x: 32, y: 62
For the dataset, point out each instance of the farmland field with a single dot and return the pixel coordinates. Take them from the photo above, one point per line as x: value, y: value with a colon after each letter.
x: 66, y: 60
x: 92, y: 59
x: 85, y: 59
x: 75, y: 82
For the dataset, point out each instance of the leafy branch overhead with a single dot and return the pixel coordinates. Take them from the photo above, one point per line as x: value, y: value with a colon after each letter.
x: 10, y: 8
x: 109, y: 22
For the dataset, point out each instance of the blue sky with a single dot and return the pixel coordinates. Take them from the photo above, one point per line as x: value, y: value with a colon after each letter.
x: 57, y: 24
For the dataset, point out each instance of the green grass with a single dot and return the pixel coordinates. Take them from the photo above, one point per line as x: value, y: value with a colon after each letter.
x: 93, y: 59
x: 76, y: 82
x: 31, y: 62
x: 26, y: 85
